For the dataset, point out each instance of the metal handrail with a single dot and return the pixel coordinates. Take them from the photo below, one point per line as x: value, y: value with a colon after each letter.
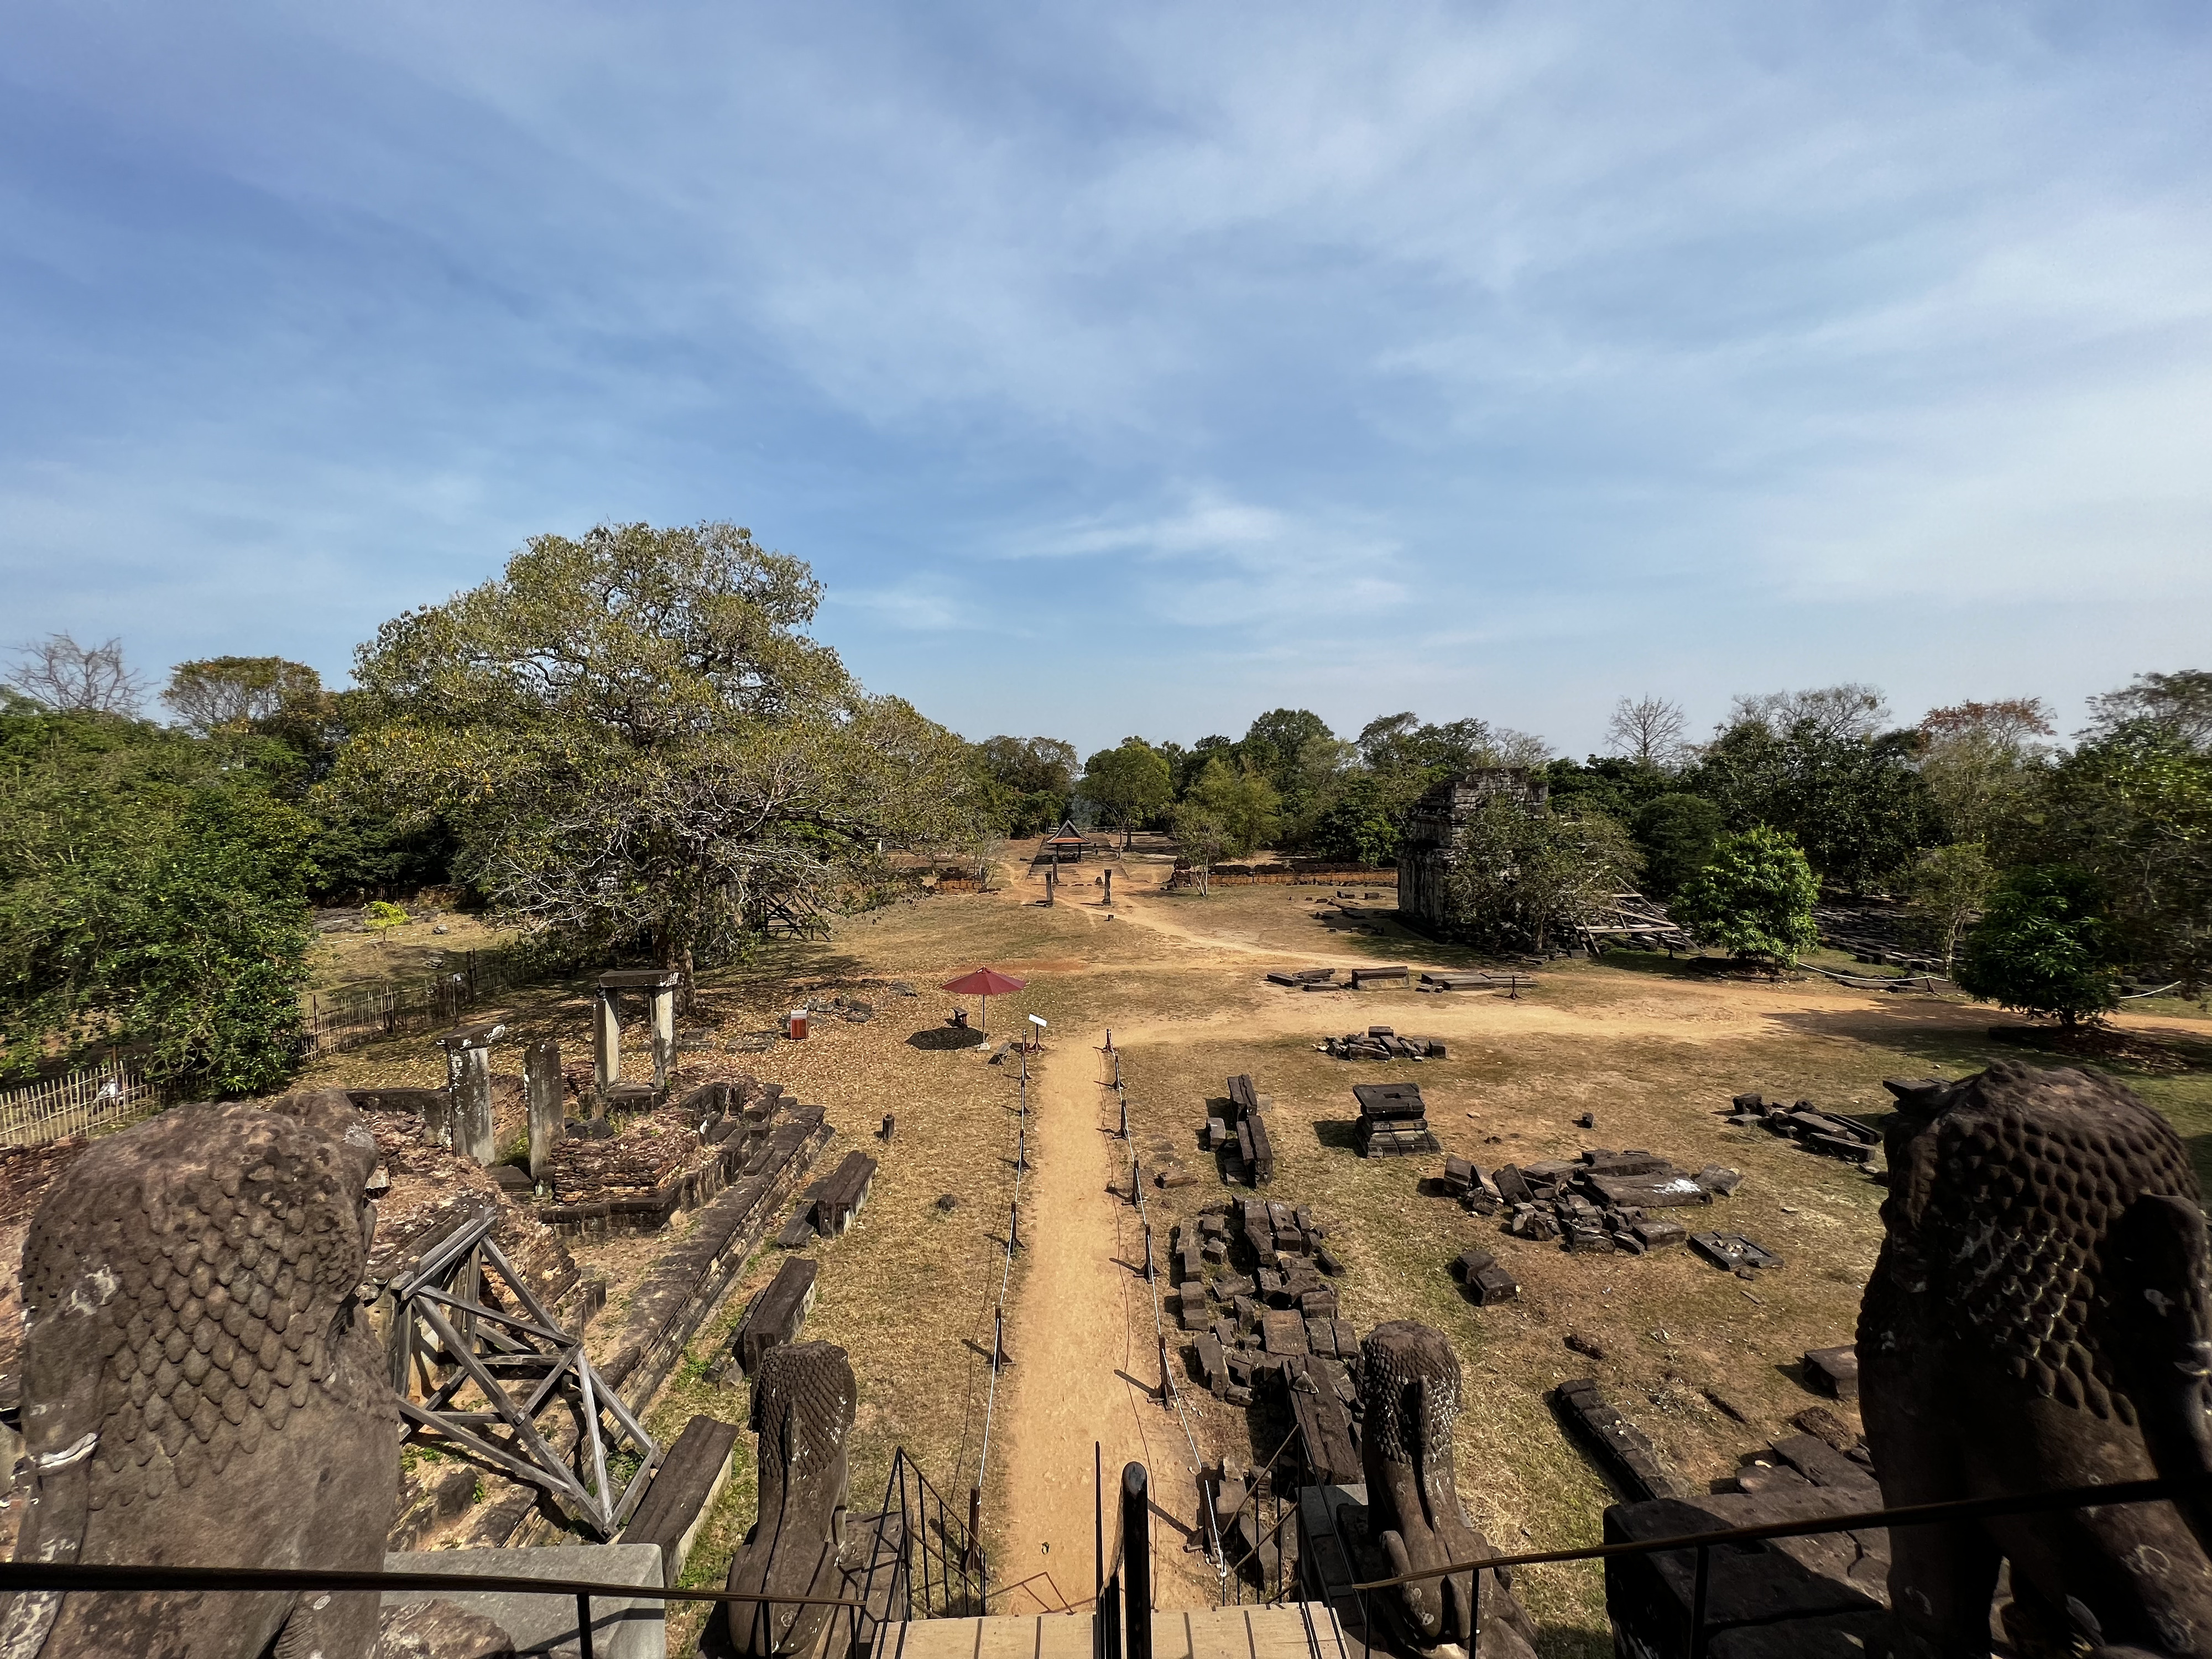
x: 51, y: 1577
x: 1909, y: 1515
x: 73, y: 1577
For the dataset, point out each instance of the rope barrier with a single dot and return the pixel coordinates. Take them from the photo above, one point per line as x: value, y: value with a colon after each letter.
x: 1006, y: 1272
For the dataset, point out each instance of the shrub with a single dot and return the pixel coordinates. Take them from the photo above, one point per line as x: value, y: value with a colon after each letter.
x: 1754, y: 899
x: 2041, y: 948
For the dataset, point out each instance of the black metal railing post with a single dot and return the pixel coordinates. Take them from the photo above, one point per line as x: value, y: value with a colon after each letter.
x: 1110, y: 1618
x: 584, y: 1624
x: 1137, y: 1559
x: 1697, y: 1604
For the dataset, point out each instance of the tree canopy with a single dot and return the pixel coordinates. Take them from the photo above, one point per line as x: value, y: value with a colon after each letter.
x: 2041, y: 947
x: 633, y: 739
x: 153, y: 897
x: 1026, y: 782
x: 1129, y: 784
x: 1521, y: 871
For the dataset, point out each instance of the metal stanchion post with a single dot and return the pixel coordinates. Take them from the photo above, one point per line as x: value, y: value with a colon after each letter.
x: 1137, y: 1559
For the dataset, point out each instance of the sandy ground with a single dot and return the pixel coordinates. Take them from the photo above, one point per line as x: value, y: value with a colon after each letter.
x: 1081, y: 1378
x: 1179, y: 980
x: 1083, y: 1385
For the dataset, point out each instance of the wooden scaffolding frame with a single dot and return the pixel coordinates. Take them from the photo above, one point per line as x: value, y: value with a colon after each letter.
x: 521, y: 1363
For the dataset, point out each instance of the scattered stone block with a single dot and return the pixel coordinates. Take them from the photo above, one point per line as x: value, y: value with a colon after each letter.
x: 1824, y: 1425
x: 1486, y: 1282
x: 1213, y: 1363
x: 1834, y: 1371
x: 1655, y: 1233
x: 691, y: 1478
x: 840, y: 1196
x: 1624, y: 1451
x: 1732, y: 1251
x: 776, y: 1315
x: 1283, y: 1332
x: 622, y: 1627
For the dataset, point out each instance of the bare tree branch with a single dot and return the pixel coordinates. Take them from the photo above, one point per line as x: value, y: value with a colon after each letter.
x: 1647, y: 730
x: 75, y: 678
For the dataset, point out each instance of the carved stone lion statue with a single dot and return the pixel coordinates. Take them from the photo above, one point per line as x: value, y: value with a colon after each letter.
x: 197, y: 1389
x: 2038, y: 1320
x: 1410, y: 1393
x: 803, y: 1402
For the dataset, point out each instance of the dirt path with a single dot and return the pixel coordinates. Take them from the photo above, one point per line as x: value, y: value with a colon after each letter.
x: 1080, y: 1375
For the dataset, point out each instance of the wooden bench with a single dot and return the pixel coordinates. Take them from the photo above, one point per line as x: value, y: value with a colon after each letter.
x: 776, y: 1314
x: 843, y: 1194
x: 684, y: 1487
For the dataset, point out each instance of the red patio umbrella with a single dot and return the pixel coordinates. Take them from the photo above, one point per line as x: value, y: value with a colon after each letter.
x: 984, y: 982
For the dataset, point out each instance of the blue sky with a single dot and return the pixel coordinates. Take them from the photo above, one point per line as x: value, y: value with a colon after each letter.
x: 1138, y: 368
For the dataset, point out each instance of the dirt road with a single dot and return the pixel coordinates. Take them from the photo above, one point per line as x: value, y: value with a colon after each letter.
x: 1083, y: 1374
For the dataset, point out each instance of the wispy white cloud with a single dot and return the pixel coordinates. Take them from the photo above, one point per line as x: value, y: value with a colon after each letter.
x: 1343, y: 357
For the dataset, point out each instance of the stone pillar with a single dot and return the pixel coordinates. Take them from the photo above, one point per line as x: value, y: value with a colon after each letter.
x: 606, y: 1040
x: 468, y: 1080
x: 541, y: 1084
x: 663, y: 1036
x: 660, y: 984
x: 438, y: 1113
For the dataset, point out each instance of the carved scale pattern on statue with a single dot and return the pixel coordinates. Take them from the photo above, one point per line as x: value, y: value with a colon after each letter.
x: 2039, y: 1319
x: 213, y: 1336
x: 2024, y: 1202
x: 197, y: 1388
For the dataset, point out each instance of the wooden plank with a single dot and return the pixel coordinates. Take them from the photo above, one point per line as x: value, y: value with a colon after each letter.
x: 683, y: 1489
x: 776, y: 1315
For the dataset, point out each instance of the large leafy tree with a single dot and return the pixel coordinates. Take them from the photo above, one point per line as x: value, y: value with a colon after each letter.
x: 1356, y: 826
x: 1677, y: 835
x: 152, y: 898
x: 2133, y: 808
x: 2041, y: 947
x: 1026, y: 782
x: 1855, y: 802
x: 1982, y: 762
x: 1606, y: 783
x: 1399, y: 758
x: 634, y: 738
x: 1240, y: 800
x: 1520, y: 872
x: 1754, y: 898
x: 1129, y: 784
x: 1294, y: 750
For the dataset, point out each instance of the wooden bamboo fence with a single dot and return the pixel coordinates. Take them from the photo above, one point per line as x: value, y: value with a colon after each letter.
x: 77, y: 1103
x: 116, y: 1091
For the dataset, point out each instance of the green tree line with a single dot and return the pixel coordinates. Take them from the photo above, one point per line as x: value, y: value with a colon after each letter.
x: 631, y: 738
x: 2041, y: 870
x: 627, y: 738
